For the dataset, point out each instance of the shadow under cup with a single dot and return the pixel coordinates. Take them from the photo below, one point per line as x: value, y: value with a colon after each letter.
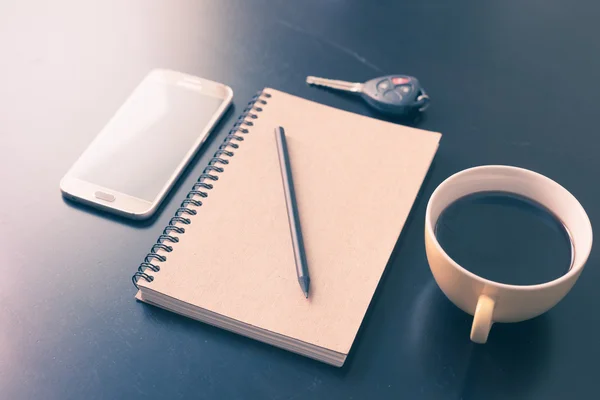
x: 505, y: 244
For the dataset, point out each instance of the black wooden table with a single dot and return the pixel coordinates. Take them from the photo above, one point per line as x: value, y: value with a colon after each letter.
x: 511, y: 82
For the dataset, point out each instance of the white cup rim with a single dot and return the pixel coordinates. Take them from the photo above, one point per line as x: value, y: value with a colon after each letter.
x: 577, y: 264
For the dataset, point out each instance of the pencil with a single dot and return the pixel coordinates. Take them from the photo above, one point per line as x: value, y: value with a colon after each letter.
x: 292, y: 211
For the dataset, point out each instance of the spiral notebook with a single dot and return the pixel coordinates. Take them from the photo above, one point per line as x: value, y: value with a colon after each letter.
x: 226, y: 258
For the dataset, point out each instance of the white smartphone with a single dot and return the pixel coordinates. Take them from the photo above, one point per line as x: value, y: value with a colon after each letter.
x: 137, y: 157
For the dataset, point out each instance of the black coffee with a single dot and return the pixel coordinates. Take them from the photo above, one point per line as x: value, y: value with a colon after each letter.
x: 505, y: 238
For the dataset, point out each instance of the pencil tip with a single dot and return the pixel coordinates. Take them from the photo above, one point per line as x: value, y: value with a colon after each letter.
x: 304, y: 284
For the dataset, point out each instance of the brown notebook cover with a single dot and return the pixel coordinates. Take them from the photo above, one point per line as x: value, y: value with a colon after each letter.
x: 356, y: 179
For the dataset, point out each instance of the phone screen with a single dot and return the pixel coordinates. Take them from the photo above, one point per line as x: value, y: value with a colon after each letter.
x: 142, y: 146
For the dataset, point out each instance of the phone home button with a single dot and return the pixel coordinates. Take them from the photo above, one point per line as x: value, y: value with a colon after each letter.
x: 104, y: 196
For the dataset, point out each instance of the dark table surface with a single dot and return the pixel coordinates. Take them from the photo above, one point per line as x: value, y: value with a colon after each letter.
x: 512, y: 82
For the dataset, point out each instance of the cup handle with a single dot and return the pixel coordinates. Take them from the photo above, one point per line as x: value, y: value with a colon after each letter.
x: 482, y: 320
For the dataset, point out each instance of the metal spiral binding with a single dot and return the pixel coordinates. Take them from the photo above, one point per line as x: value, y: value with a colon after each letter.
x: 215, y: 164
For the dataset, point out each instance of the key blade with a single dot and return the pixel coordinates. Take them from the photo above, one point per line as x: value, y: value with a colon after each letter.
x: 354, y: 87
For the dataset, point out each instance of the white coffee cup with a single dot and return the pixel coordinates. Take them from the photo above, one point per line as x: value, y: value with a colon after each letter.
x: 490, y: 301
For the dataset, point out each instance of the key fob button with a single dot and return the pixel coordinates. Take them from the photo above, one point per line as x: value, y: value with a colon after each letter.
x: 383, y: 86
x: 400, y: 80
x: 392, y: 96
x: 405, y: 89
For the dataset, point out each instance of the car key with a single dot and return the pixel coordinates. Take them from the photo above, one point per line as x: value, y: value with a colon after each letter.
x: 396, y: 95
